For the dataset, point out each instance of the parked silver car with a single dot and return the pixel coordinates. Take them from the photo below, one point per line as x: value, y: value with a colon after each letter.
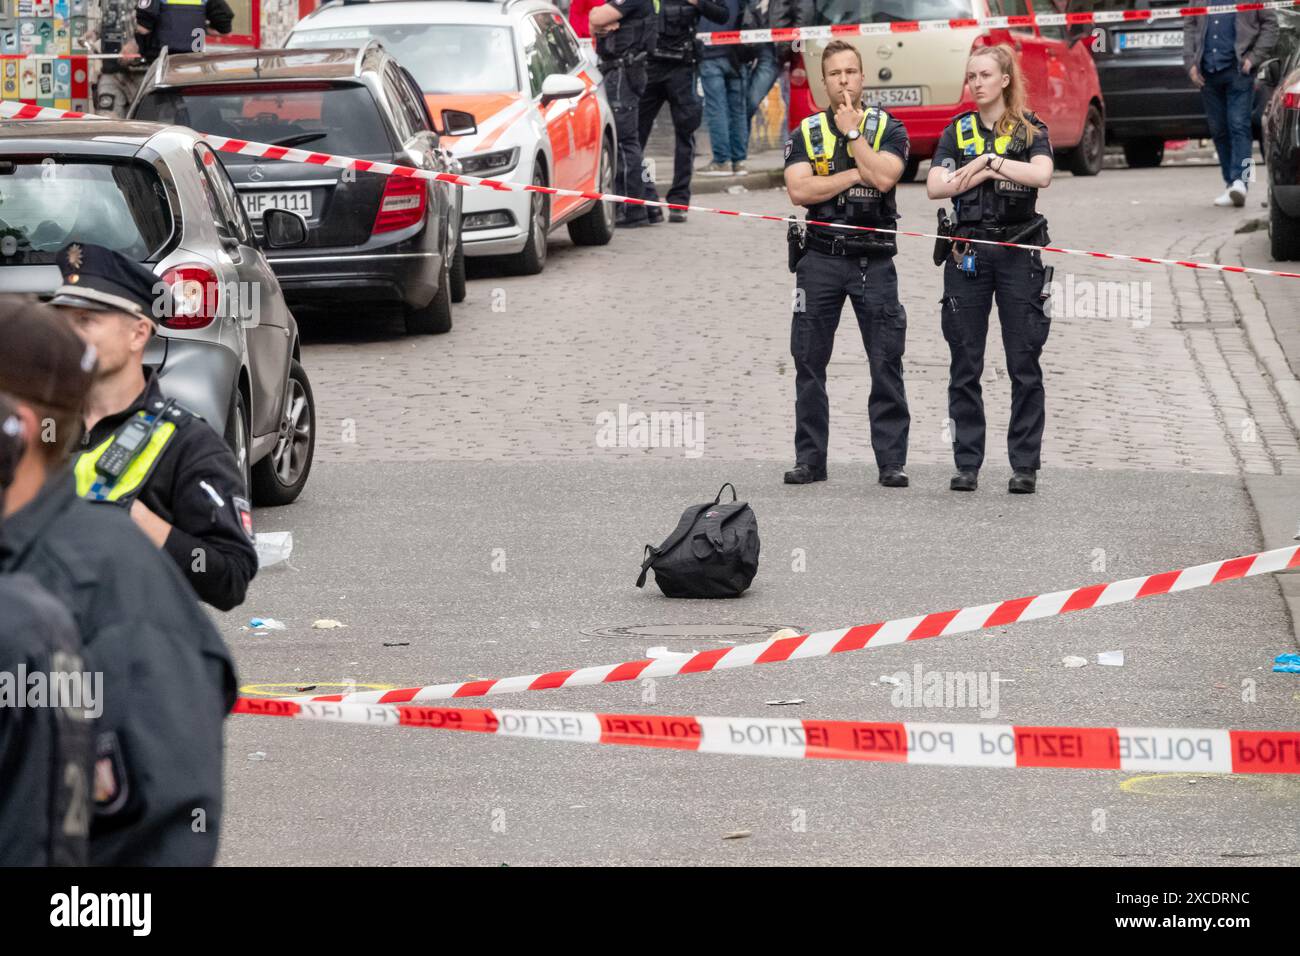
x: 229, y: 348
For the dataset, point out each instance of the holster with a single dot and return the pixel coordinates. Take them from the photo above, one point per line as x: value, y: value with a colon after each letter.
x: 943, y: 247
x: 794, y: 238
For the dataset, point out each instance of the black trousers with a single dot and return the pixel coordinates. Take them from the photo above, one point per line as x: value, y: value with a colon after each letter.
x: 624, y: 85
x: 673, y: 83
x: 823, y: 282
x: 1015, y: 278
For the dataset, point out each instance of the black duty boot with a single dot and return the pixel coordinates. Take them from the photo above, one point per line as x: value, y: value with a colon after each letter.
x: 1023, y: 483
x: 802, y: 474
x: 964, y: 481
x: 893, y: 477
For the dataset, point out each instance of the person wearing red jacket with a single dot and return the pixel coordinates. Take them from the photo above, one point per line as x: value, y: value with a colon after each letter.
x: 578, y: 13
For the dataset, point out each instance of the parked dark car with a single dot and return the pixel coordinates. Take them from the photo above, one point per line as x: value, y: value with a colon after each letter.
x: 1281, y: 76
x: 1149, y: 96
x: 371, y: 238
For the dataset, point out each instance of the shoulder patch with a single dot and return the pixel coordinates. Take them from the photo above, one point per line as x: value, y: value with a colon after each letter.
x: 789, y: 148
x: 112, y: 786
x: 244, y: 512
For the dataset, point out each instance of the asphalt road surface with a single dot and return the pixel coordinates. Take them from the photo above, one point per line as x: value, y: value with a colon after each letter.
x: 468, y: 517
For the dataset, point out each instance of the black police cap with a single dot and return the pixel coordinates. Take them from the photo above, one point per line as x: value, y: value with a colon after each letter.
x: 98, y: 278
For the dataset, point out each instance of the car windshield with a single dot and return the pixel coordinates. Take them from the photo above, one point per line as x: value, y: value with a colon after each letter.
x: 443, y: 57
x: 318, y: 117
x: 47, y: 202
x: 882, y: 11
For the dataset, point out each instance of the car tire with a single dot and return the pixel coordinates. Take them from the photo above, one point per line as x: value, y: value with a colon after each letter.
x: 1086, y: 158
x: 237, y: 437
x: 532, y: 259
x: 457, y: 279
x: 1283, y: 233
x: 596, y: 226
x: 910, y: 171
x: 434, y: 318
x: 279, y: 478
x: 1144, y: 153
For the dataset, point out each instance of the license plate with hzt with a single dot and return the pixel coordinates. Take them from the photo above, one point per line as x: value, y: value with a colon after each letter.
x: 887, y: 96
x: 255, y: 203
x: 1150, y: 40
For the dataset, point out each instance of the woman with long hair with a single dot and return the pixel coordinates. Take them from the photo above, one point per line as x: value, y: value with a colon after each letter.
x: 991, y: 162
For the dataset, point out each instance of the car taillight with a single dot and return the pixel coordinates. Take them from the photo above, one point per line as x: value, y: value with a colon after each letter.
x: 194, y: 293
x: 1291, y: 100
x: 402, y: 204
x: 798, y: 72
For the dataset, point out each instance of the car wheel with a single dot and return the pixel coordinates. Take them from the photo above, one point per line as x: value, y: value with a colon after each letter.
x: 458, y: 273
x: 910, y: 171
x: 1144, y: 153
x: 1283, y: 233
x: 532, y: 259
x: 237, y: 436
x: 279, y: 478
x: 434, y: 318
x: 1085, y: 159
x: 596, y: 226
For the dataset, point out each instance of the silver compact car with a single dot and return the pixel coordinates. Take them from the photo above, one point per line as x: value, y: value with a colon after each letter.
x: 227, y: 345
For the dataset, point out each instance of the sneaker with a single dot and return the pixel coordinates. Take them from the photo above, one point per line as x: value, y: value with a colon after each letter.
x: 715, y: 169
x: 677, y: 215
x: 1237, y: 193
x: 739, y: 169
x: 1225, y: 199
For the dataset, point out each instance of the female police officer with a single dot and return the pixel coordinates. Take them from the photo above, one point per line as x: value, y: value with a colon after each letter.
x: 992, y: 161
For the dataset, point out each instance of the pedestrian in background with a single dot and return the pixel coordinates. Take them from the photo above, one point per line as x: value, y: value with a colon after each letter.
x: 723, y: 80
x: 578, y: 14
x: 671, y: 79
x: 1221, y: 53
x: 765, y: 60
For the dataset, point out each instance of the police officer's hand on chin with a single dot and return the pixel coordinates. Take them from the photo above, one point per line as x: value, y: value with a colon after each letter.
x: 847, y: 115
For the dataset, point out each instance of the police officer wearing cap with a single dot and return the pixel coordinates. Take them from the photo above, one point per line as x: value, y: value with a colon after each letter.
x: 144, y: 452
x: 992, y: 161
x: 625, y: 32
x: 671, y: 78
x: 46, y: 743
x: 167, y: 678
x: 180, y: 26
x: 842, y: 164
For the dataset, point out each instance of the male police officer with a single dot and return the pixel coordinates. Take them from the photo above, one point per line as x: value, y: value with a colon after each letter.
x: 625, y: 33
x: 671, y: 79
x: 842, y: 164
x: 179, y: 25
x: 168, y: 680
x: 142, y: 452
x: 46, y: 742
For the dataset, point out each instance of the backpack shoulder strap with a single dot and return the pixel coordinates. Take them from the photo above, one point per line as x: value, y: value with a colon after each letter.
x: 684, y: 526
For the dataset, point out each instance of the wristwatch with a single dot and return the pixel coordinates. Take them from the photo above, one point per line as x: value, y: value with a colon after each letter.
x: 853, y: 134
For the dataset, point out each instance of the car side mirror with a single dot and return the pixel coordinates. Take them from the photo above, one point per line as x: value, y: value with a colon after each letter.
x: 1270, y: 72
x: 458, y: 123
x: 561, y: 86
x: 283, y: 229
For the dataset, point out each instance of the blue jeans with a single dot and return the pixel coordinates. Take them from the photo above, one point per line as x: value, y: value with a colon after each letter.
x: 1229, y: 97
x: 724, y: 109
x: 760, y: 75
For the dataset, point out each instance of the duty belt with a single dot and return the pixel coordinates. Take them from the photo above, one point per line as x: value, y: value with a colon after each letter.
x: 1011, y: 232
x: 840, y: 245
x: 627, y: 59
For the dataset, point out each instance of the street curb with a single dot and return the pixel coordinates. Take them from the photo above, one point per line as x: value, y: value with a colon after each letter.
x: 761, y: 179
x: 1263, y: 342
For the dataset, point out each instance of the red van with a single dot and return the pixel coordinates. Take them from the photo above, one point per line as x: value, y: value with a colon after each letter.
x: 920, y: 77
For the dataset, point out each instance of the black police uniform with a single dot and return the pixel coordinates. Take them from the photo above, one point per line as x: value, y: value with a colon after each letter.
x: 45, y: 751
x: 621, y: 56
x: 670, y: 79
x: 179, y: 25
x: 168, y: 680
x: 840, y: 263
x: 995, y: 210
x: 194, y: 483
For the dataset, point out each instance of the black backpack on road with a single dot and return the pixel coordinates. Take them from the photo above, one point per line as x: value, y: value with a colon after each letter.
x: 712, y: 553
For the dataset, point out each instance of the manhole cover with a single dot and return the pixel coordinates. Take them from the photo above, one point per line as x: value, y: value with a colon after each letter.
x: 739, y: 633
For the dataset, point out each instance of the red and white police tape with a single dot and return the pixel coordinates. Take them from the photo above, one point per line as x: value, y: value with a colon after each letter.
x: 1160, y: 749
x: 243, y: 147
x: 825, y: 643
x: 840, y: 30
